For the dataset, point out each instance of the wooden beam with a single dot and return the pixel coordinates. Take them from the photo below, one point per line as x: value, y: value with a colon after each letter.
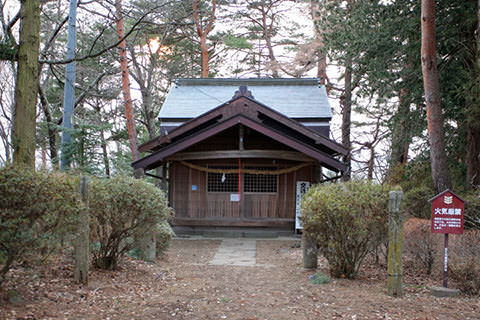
x: 242, y: 105
x: 153, y: 160
x: 225, y: 222
x: 233, y: 154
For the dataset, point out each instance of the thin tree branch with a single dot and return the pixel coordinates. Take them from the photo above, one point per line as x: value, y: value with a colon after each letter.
x: 84, y: 94
x: 99, y: 53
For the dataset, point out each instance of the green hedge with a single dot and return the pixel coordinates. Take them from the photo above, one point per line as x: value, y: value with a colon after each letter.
x: 348, y: 220
x: 36, y: 208
x: 118, y: 207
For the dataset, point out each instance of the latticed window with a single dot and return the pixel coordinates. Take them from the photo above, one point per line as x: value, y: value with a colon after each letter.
x: 251, y: 182
x: 222, y: 182
x: 260, y: 183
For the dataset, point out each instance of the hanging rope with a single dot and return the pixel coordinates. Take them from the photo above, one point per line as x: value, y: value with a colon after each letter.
x: 250, y: 171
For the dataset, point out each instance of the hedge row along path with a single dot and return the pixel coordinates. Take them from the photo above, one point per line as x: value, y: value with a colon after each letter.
x: 191, y: 283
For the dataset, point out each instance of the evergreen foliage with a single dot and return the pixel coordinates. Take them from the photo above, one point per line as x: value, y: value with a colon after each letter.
x: 382, y: 41
x: 163, y: 236
x: 348, y: 220
x: 36, y: 210
x: 118, y: 207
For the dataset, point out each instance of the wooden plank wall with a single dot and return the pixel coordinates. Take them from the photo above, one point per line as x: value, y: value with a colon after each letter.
x: 200, y: 204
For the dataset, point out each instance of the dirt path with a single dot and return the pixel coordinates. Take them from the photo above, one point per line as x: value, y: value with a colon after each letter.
x: 186, y: 285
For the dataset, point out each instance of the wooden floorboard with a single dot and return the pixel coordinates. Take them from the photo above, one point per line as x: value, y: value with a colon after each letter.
x: 273, y: 223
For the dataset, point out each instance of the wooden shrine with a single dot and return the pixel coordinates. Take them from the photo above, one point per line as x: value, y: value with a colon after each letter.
x: 237, y: 163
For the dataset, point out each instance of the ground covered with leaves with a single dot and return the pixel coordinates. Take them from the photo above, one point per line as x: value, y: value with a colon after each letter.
x: 183, y: 285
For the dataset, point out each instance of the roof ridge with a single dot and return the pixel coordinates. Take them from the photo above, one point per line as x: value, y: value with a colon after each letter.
x: 248, y: 81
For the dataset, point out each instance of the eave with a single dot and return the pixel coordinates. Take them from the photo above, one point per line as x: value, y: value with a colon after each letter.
x: 250, y: 107
x: 154, y: 160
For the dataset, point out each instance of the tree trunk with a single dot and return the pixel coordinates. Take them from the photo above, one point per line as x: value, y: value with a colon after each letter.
x: 438, y: 155
x: 267, y: 36
x: 203, y: 34
x: 51, y: 128
x: 122, y: 48
x: 204, y: 53
x: 472, y: 157
x: 143, y: 76
x: 321, y: 50
x: 346, y: 101
x: 149, y: 113
x: 400, y: 133
x: 66, y: 155
x: 103, y: 141
x: 26, y: 88
x: 106, y: 161
x: 371, y: 163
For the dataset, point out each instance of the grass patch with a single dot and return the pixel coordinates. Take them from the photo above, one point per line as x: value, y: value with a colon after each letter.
x: 319, y: 278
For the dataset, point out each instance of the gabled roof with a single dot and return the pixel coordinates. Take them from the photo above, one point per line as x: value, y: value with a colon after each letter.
x: 294, y: 98
x: 444, y: 192
x: 250, y: 113
x: 256, y: 109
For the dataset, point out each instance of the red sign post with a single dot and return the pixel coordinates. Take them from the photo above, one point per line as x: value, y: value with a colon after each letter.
x: 447, y: 217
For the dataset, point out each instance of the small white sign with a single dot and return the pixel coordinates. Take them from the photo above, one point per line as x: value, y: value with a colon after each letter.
x: 234, y: 197
x: 302, y: 188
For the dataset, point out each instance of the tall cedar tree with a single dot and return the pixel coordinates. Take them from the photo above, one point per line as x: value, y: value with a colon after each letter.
x: 122, y: 48
x: 26, y: 88
x: 472, y: 157
x: 438, y: 155
x: 203, y: 32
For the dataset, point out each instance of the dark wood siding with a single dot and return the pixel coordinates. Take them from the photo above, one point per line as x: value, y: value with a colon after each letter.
x: 194, y: 205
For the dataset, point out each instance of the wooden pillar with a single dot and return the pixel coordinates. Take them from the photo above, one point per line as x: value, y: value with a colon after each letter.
x: 138, y: 173
x: 395, y: 244
x: 317, y: 175
x: 81, y: 243
x: 241, y: 134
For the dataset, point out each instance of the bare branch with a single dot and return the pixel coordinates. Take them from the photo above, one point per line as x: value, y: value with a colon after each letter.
x: 100, y: 52
x: 84, y: 94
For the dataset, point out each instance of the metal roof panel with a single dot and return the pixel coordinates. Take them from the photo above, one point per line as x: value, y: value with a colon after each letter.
x: 295, y: 98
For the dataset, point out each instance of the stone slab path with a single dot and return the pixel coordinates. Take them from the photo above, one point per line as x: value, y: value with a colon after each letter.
x: 236, y: 252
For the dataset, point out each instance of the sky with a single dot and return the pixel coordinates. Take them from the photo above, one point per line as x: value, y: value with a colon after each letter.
x: 294, y: 12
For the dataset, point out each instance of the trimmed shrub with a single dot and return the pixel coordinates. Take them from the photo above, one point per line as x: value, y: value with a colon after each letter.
x: 348, y: 220
x: 36, y: 209
x: 163, y: 235
x: 118, y: 207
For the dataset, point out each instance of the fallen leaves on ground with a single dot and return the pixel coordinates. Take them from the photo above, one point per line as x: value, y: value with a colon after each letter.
x: 184, y: 286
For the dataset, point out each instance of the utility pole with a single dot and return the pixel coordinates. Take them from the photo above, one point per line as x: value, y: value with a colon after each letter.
x: 69, y: 93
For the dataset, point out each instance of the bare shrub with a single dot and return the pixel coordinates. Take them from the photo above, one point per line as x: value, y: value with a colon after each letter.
x: 464, y: 262
x: 472, y: 210
x: 420, y: 243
